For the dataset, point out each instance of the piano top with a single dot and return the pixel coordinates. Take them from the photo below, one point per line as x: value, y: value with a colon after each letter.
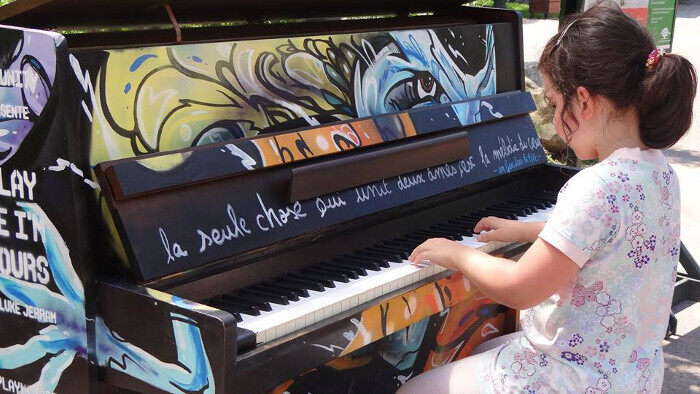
x: 53, y: 14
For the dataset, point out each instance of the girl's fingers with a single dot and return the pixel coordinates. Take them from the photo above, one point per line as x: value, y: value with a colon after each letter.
x: 420, y: 248
x: 420, y: 257
x: 488, y: 237
x: 486, y: 223
x: 427, y: 245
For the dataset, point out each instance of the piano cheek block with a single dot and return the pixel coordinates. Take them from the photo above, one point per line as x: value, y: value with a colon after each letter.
x: 134, y: 322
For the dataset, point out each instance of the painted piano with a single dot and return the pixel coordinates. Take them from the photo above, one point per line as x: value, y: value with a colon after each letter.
x: 220, y: 196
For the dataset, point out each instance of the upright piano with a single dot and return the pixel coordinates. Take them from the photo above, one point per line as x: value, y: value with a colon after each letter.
x: 220, y: 196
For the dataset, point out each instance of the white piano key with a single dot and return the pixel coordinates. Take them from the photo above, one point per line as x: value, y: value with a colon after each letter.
x: 362, y: 298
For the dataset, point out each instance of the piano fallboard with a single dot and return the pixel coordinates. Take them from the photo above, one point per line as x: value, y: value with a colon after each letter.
x: 161, y: 240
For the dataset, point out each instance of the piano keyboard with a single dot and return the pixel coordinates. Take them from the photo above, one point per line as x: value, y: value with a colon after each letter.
x: 282, y: 305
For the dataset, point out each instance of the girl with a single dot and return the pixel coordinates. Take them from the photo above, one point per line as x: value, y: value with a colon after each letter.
x: 595, y: 287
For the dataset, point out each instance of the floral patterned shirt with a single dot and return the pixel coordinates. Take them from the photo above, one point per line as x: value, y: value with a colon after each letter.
x: 619, y: 220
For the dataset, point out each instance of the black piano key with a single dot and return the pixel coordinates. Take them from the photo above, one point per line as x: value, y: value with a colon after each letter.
x: 409, y: 245
x: 510, y: 213
x: 367, y: 259
x: 549, y: 197
x: 482, y: 213
x: 387, y: 256
x: 264, y: 296
x: 236, y: 306
x: 358, y: 263
x: 359, y: 271
x: 323, y: 279
x: 469, y: 224
x: 437, y: 233
x: 544, y: 193
x: 336, y: 276
x: 294, y: 287
x: 475, y: 216
x: 537, y: 203
x: 326, y: 267
x: 516, y: 208
x: 531, y: 197
x: 260, y: 305
x: 458, y: 230
x: 259, y: 302
x: 400, y: 254
x: 470, y: 220
x: 226, y: 308
x: 289, y: 294
x: 499, y: 213
x: 451, y: 226
x: 421, y: 236
x: 459, y: 222
x: 454, y: 229
x: 371, y: 254
x: 311, y: 284
x: 415, y: 237
x: 510, y: 206
x: 527, y: 208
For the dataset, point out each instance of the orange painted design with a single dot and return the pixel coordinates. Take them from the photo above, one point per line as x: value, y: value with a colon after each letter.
x: 268, y: 150
x: 291, y: 147
x: 399, y: 312
x: 494, y: 327
x: 325, y: 140
x: 342, y: 363
x: 367, y: 131
x: 460, y: 334
x: 408, y: 127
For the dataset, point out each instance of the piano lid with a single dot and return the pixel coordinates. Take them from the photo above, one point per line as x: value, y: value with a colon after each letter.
x: 77, y: 13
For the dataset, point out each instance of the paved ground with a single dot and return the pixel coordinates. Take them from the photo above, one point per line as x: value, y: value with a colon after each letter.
x: 682, y: 352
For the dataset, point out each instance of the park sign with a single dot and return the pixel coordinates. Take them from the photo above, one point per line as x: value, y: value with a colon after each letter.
x: 656, y: 15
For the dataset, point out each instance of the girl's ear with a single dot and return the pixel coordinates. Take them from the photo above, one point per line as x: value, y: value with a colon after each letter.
x: 586, y: 102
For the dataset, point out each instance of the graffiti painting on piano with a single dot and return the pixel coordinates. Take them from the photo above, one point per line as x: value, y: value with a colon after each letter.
x: 166, y: 98
x: 402, y: 337
x: 27, y: 75
x: 64, y: 338
x: 44, y: 346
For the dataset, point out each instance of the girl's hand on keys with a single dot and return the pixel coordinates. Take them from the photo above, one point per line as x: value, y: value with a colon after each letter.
x: 440, y: 251
x: 499, y: 230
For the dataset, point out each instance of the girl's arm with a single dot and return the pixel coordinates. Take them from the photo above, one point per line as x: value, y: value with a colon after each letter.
x: 505, y: 230
x: 540, y: 272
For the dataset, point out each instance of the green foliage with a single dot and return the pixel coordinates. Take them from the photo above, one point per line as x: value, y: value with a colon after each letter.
x: 523, y: 8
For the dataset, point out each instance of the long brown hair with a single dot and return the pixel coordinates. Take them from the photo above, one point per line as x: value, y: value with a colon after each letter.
x: 605, y: 50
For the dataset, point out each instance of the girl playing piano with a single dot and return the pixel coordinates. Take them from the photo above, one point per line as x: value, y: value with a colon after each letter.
x: 596, y: 285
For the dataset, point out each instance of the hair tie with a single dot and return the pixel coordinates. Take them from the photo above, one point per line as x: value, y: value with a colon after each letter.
x: 653, y: 58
